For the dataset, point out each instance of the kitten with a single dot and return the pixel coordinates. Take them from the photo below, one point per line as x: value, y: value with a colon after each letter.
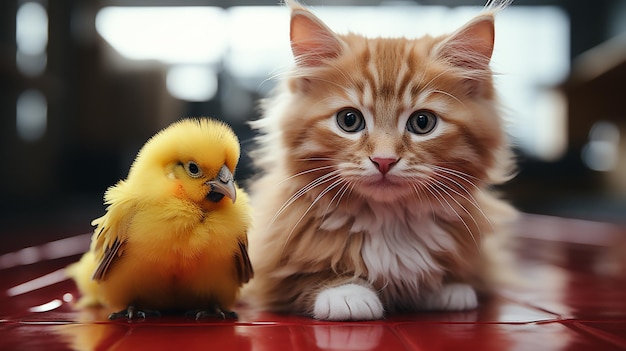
x: 378, y: 156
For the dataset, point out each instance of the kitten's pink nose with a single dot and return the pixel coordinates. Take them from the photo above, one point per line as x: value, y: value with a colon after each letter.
x: 384, y: 164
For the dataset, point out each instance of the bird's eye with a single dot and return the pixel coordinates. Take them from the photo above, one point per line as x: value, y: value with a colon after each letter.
x: 193, y: 169
x: 421, y: 122
x: 350, y: 120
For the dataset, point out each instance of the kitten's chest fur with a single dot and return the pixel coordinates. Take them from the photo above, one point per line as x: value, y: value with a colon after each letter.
x: 401, y: 244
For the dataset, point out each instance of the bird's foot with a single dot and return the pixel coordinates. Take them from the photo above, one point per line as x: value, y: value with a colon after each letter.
x: 132, y: 314
x: 213, y: 312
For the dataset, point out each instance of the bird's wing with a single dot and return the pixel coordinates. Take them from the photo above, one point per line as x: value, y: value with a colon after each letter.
x: 111, y: 236
x: 108, y: 253
x: 242, y: 262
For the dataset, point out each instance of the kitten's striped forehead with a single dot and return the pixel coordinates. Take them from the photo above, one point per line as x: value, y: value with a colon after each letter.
x: 391, y: 77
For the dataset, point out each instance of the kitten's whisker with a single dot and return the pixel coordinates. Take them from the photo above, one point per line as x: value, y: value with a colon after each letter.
x: 432, y: 80
x: 462, y: 176
x: 346, y: 75
x: 431, y: 188
x: 448, y: 95
x: 315, y: 159
x: 423, y: 76
x: 349, y: 192
x: 275, y: 75
x: 446, y: 188
x: 325, y: 191
x: 314, y: 183
x: 333, y: 185
x: 471, y: 198
x: 469, y: 230
x: 318, y: 181
x: 306, y: 172
x: 330, y: 203
x: 339, y: 85
x: 338, y: 195
x: 418, y: 192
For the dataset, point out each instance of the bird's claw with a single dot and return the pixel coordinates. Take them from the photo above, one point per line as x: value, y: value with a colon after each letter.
x: 133, y: 314
x: 215, y: 312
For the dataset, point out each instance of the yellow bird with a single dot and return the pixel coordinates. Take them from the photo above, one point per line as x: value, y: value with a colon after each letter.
x: 174, y: 236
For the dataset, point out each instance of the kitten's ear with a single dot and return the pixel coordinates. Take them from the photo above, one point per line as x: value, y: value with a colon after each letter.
x: 471, y: 46
x: 311, y: 40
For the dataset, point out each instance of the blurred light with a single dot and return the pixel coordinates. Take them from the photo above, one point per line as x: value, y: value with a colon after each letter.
x: 192, y: 82
x: 601, y: 153
x: 31, y: 36
x: 31, y: 65
x: 49, y: 251
x: 31, y: 28
x: 551, y: 138
x: 38, y: 283
x: 49, y: 306
x: 536, y: 114
x: 68, y: 297
x: 31, y: 115
x: 167, y: 34
x: 598, y: 60
x: 253, y: 54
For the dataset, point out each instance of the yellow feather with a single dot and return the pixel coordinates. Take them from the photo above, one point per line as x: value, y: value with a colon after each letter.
x: 170, y: 238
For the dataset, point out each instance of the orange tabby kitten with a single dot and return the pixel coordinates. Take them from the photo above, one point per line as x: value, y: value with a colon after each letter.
x: 378, y: 157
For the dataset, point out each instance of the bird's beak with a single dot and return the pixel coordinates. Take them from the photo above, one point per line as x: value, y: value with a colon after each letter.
x: 224, y: 184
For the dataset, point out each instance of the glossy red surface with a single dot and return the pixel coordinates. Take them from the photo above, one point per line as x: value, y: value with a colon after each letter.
x: 576, y: 300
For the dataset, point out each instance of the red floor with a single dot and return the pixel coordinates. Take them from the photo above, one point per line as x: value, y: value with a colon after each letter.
x: 577, y: 301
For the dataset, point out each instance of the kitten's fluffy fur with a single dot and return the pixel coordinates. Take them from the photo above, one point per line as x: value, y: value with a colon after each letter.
x: 378, y: 155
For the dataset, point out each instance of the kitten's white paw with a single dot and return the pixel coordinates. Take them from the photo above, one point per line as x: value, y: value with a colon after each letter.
x: 452, y: 297
x: 348, y: 302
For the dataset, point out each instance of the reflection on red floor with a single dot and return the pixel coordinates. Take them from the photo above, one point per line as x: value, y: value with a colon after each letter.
x: 576, y: 301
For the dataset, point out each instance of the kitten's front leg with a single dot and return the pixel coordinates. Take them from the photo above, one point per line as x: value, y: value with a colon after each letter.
x: 348, y: 302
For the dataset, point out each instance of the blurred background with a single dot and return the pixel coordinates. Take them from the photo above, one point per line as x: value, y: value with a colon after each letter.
x: 83, y: 84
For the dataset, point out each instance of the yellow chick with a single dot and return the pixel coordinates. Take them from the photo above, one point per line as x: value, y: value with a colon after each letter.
x: 174, y: 236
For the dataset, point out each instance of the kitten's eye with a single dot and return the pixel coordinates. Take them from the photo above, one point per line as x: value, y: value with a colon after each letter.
x: 193, y: 169
x: 421, y: 122
x: 350, y: 120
